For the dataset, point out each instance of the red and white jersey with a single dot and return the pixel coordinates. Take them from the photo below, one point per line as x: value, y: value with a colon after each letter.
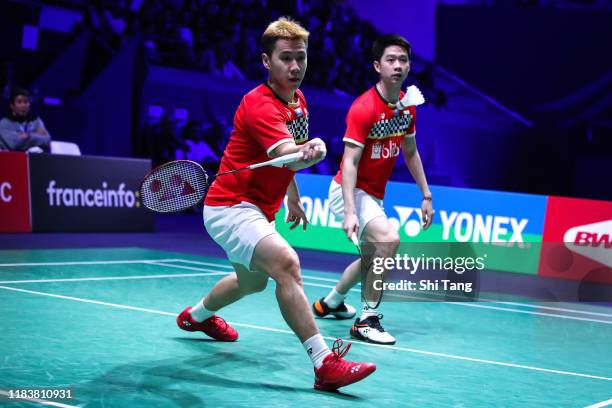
x: 374, y: 126
x: 261, y: 123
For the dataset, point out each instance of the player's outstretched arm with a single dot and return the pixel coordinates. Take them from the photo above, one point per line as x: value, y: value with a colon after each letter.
x: 415, y: 166
x: 314, y: 151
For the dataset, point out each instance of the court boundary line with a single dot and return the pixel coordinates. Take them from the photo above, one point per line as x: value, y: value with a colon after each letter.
x: 37, y: 400
x: 601, y: 404
x: 576, y: 311
x: 471, y: 304
x: 68, y: 263
x: 404, y: 349
x: 114, y: 278
x: 164, y: 262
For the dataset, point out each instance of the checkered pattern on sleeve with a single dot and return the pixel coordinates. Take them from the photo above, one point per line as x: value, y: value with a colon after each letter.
x: 299, y: 129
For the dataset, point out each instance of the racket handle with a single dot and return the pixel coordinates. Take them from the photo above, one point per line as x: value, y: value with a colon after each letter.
x: 279, y: 161
x: 354, y: 239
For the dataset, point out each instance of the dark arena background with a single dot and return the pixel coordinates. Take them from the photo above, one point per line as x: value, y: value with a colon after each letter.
x: 515, y: 137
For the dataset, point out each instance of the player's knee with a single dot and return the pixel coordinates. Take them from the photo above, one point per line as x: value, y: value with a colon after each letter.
x: 392, y: 240
x: 288, y: 268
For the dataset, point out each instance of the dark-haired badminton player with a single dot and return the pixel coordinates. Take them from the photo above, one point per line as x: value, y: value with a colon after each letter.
x: 272, y: 120
x: 376, y: 131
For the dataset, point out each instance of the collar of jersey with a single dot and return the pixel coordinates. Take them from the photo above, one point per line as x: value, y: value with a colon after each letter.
x: 291, y: 105
x: 389, y: 104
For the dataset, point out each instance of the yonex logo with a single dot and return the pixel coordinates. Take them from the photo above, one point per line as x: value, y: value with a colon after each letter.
x: 186, y: 323
x: 412, y: 227
x: 460, y: 226
x: 177, y: 187
x: 463, y: 226
x: 355, y: 369
x: 468, y: 227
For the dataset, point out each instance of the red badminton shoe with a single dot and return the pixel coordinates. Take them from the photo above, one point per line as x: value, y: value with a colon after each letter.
x: 336, y: 372
x: 214, y: 326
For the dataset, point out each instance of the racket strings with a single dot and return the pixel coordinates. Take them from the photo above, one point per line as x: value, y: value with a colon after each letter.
x: 369, y: 295
x: 175, y: 187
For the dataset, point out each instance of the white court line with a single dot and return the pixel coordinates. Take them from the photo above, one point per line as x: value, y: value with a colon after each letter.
x: 503, y: 309
x: 470, y: 304
x: 201, y: 263
x: 129, y: 261
x: 115, y: 278
x: 96, y: 302
x: 404, y: 349
x: 559, y: 309
x: 40, y: 401
x: 161, y: 262
x: 560, y: 316
x: 204, y: 263
x: 601, y: 404
x: 191, y: 268
x: 533, y: 306
x: 213, y: 272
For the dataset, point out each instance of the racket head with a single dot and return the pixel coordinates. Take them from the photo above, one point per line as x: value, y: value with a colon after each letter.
x: 174, y: 186
x: 370, y: 296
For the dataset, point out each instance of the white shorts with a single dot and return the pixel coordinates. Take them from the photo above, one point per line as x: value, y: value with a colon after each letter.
x: 367, y: 206
x: 237, y: 229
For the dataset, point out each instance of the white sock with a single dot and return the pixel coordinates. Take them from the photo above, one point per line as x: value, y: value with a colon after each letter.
x: 317, y: 349
x: 334, y: 298
x: 367, y: 312
x: 199, y: 313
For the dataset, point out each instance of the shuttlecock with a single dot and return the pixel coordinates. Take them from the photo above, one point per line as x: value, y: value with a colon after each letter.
x: 413, y: 97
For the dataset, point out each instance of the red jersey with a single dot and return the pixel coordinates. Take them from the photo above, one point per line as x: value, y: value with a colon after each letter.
x: 374, y: 126
x: 261, y: 123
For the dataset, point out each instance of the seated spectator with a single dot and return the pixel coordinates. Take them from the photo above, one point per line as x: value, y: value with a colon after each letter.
x: 21, y: 130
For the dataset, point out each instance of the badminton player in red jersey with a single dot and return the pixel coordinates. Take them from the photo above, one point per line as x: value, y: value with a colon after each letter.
x: 272, y: 120
x: 377, y: 130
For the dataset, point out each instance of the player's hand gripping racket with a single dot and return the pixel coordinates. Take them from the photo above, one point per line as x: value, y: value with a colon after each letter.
x: 181, y: 184
x: 371, y: 296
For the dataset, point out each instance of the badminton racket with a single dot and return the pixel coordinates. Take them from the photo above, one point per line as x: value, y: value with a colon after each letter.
x: 178, y: 185
x: 369, y: 294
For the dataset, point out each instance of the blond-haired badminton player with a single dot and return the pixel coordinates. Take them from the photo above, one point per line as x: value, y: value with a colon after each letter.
x: 272, y: 120
x: 378, y: 127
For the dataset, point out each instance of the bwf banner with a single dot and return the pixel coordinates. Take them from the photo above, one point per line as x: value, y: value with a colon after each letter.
x: 87, y: 194
x: 578, y: 240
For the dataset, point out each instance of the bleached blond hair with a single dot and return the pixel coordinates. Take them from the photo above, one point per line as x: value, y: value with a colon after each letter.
x: 282, y: 29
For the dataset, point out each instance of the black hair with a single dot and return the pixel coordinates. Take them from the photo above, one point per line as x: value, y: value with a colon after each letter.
x: 378, y: 48
x: 19, y: 92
